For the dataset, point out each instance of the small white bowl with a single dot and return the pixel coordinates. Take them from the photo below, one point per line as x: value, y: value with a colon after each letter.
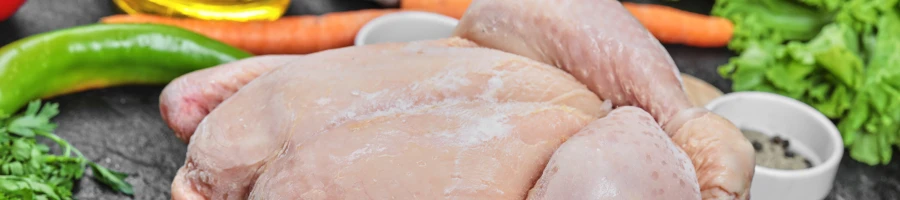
x: 811, y: 134
x: 406, y: 26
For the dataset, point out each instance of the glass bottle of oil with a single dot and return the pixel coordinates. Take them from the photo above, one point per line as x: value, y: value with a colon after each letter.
x: 233, y: 10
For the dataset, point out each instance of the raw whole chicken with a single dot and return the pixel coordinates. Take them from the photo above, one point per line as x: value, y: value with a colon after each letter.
x: 532, y: 99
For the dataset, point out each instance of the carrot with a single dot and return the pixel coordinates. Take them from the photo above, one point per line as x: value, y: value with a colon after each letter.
x: 669, y: 25
x: 672, y: 26
x: 452, y: 8
x: 288, y: 35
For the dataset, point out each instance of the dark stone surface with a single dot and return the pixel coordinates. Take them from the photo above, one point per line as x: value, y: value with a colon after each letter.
x: 121, y: 127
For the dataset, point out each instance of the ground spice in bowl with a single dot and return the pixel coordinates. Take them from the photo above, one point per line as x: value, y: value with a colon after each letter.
x: 775, y: 152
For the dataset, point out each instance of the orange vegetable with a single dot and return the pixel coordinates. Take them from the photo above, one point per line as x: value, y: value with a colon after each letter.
x: 452, y: 8
x: 288, y: 35
x: 669, y: 25
x: 673, y: 26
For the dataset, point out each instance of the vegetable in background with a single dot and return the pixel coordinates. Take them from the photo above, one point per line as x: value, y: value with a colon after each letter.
x: 29, y: 171
x: 774, y: 21
x: 801, y: 70
x: 9, y: 7
x: 452, y: 8
x: 827, y: 5
x: 672, y: 26
x: 872, y: 124
x: 94, y: 56
x: 288, y: 35
x: 849, y: 70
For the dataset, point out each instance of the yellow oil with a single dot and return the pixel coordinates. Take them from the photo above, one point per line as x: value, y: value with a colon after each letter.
x: 233, y: 10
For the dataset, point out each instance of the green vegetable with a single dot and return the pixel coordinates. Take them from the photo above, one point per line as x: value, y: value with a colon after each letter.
x: 101, y: 55
x: 849, y: 71
x: 876, y: 113
x: 827, y: 5
x: 29, y: 171
x: 802, y: 70
x: 773, y: 21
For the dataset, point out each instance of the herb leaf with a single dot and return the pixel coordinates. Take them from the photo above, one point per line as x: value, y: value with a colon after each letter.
x: 29, y: 171
x: 116, y: 180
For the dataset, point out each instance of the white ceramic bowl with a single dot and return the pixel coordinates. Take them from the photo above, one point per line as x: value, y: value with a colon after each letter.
x: 406, y: 26
x: 811, y: 134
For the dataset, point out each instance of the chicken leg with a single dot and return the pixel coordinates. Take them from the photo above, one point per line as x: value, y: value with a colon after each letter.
x: 189, y: 98
x: 624, y: 155
x: 606, y: 48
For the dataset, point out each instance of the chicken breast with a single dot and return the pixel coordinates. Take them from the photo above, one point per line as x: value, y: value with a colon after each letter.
x: 451, y: 149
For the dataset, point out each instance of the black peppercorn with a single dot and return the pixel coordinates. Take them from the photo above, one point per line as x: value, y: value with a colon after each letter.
x: 757, y: 146
x: 808, y: 164
x: 776, y: 140
x: 788, y: 154
x: 785, y: 144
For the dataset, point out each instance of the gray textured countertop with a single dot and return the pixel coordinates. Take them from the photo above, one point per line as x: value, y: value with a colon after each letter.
x: 121, y: 127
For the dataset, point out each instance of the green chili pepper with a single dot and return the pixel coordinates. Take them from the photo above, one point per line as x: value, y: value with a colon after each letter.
x: 102, y: 55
